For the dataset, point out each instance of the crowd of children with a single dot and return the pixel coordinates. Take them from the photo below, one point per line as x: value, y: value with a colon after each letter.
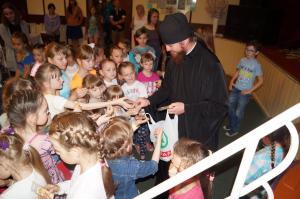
x: 78, y: 106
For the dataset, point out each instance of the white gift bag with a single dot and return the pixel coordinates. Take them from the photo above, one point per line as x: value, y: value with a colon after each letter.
x: 169, y: 137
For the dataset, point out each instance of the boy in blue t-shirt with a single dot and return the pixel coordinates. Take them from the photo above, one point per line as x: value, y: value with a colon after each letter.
x: 246, y: 79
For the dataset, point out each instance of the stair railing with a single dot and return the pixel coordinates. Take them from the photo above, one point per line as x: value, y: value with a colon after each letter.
x: 248, y: 142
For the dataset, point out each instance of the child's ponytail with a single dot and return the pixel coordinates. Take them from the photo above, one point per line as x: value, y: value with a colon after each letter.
x: 36, y: 161
x: 13, y: 147
x: 107, y: 178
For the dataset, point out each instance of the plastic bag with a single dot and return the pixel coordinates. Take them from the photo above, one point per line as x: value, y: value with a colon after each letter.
x: 169, y: 137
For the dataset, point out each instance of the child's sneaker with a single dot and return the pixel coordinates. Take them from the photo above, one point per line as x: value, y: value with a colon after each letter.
x: 231, y: 134
x: 149, y: 147
x: 226, y: 128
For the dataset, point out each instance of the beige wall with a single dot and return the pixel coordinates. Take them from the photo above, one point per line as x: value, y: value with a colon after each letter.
x: 35, y: 7
x: 199, y: 15
x: 279, y: 90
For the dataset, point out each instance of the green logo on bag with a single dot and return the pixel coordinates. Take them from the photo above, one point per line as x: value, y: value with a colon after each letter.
x: 164, y: 141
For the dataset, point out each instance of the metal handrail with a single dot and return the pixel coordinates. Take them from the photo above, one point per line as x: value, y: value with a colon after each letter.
x: 249, y: 143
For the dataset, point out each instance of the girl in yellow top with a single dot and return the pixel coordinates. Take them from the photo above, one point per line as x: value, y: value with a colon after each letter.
x: 86, y: 62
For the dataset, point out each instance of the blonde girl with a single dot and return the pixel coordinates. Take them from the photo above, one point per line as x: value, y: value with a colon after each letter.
x: 75, y: 139
x: 109, y: 72
x: 26, y: 111
x: 21, y: 166
x: 49, y: 80
x: 56, y: 54
x: 95, y: 88
x: 186, y: 153
x: 115, y: 92
x: 116, y: 142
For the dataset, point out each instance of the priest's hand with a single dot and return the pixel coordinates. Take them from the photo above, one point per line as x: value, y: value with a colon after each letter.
x: 176, y: 108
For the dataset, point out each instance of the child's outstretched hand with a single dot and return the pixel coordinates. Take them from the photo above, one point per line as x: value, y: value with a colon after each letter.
x: 81, y: 92
x: 106, y: 117
x: 156, y: 153
x: 158, y: 133
x: 133, y: 111
x: 124, y: 103
x: 47, y: 192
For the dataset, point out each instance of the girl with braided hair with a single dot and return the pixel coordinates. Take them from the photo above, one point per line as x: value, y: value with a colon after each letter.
x: 267, y: 158
x: 75, y: 139
x: 116, y: 142
x: 26, y: 111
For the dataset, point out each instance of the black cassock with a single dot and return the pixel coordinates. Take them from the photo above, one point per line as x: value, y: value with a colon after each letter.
x: 199, y: 82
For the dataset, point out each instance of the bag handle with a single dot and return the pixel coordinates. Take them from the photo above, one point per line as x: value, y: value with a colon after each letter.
x: 168, y: 116
x: 151, y: 119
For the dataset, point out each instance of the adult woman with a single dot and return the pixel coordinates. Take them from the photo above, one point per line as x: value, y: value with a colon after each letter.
x: 138, y: 21
x: 153, y: 36
x: 74, y: 22
x: 11, y: 23
x: 52, y: 23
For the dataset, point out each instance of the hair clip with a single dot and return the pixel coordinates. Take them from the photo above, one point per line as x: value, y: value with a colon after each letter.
x: 4, y: 144
x: 8, y: 131
x: 26, y: 147
x: 104, y: 163
x: 92, y: 45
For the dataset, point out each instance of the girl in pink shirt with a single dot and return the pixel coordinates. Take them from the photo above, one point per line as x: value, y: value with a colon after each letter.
x: 149, y: 78
x: 186, y: 153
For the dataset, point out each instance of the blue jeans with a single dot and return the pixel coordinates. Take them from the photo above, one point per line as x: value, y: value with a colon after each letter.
x: 237, y: 105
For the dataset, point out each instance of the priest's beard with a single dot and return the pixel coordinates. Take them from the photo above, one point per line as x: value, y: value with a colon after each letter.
x: 178, y: 57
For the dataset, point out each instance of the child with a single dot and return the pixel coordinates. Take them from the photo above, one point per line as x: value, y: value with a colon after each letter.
x: 85, y: 60
x: 72, y: 66
x: 109, y: 72
x: 23, y: 55
x: 39, y: 58
x: 116, y: 143
x: 26, y: 111
x: 93, y: 32
x: 21, y: 166
x: 49, y: 80
x: 95, y: 88
x: 136, y: 53
x: 116, y: 54
x: 10, y: 87
x: 132, y: 88
x: 75, y: 139
x: 242, y: 85
x: 267, y: 158
x: 112, y: 93
x: 125, y: 46
x: 115, y: 92
x: 186, y: 153
x: 56, y: 54
x: 146, y: 76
